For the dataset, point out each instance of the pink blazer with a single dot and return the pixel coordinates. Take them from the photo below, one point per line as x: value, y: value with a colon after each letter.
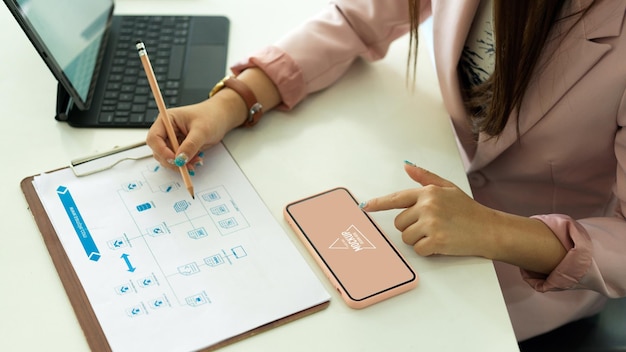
x: 568, y: 169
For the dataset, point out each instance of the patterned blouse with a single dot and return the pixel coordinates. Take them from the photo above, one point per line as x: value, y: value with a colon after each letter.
x: 478, y: 57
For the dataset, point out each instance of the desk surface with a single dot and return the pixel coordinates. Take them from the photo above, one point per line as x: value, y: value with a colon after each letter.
x: 355, y: 134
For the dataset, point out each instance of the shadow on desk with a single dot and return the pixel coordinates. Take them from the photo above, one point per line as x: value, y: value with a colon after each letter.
x: 605, y: 332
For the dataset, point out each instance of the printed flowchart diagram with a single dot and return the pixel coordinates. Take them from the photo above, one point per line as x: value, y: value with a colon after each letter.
x: 171, y: 245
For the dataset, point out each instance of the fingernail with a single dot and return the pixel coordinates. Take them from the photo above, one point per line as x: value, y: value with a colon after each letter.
x: 170, y: 161
x: 362, y: 205
x: 410, y: 163
x: 191, y: 172
x: 200, y: 163
x: 201, y: 154
x: 181, y: 159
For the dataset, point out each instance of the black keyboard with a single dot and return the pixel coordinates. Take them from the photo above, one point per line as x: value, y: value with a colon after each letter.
x: 128, y: 99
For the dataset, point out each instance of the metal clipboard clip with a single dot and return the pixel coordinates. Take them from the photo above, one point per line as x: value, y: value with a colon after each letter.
x: 106, y: 160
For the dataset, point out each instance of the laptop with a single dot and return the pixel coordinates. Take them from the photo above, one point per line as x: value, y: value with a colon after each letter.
x: 92, y: 54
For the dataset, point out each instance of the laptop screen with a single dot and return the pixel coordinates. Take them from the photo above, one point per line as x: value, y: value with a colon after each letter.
x: 68, y: 35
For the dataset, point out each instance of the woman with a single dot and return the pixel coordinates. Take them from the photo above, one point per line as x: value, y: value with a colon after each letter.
x: 538, y: 103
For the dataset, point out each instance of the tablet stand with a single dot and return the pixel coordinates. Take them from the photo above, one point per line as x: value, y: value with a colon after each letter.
x: 63, y: 102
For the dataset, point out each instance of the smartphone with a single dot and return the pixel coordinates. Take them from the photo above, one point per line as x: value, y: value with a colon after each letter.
x: 356, y: 256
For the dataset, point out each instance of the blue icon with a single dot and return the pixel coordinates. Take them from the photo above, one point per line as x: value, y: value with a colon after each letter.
x: 239, y: 252
x: 117, y: 243
x: 134, y: 311
x: 197, y: 233
x: 158, y: 303
x: 169, y: 187
x: 156, y: 230
x: 144, y: 207
x: 210, y: 197
x: 123, y: 289
x: 132, y: 186
x: 127, y: 261
x: 188, y: 269
x: 181, y: 206
x: 219, y: 210
x: 197, y: 300
x: 214, y: 260
x: 228, y: 223
x: 147, y: 281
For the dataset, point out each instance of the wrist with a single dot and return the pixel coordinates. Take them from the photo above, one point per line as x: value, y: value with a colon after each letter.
x: 246, y: 97
x: 233, y: 108
x: 254, y: 108
x: 524, y: 242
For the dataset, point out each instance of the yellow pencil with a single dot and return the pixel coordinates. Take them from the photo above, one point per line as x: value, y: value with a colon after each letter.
x: 171, y: 135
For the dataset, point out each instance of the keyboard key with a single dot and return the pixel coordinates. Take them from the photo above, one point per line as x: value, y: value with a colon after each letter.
x: 140, y: 99
x: 151, y: 115
x: 145, y: 90
x: 128, y: 99
x: 170, y: 92
x: 136, y: 118
x: 138, y: 108
x: 123, y: 106
x: 106, y: 117
x: 125, y: 97
x: 172, y: 84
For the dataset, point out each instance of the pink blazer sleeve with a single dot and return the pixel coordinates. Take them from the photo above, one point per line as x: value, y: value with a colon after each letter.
x: 595, y: 246
x: 596, y: 242
x: 316, y: 54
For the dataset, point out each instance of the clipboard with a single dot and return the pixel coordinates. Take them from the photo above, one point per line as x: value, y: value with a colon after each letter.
x: 75, y: 291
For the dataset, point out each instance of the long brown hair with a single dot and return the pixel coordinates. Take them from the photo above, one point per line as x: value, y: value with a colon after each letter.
x: 521, y: 29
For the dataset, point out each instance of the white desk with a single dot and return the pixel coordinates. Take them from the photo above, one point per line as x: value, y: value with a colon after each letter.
x: 355, y: 134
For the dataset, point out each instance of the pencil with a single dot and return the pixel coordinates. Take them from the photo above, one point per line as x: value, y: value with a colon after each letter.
x: 171, y: 135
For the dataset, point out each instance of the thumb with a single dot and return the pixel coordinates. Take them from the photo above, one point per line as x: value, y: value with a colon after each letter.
x: 189, y: 147
x: 423, y: 176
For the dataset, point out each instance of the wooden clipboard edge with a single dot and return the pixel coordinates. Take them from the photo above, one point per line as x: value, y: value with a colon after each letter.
x: 268, y: 326
x: 87, y: 319
x: 75, y: 292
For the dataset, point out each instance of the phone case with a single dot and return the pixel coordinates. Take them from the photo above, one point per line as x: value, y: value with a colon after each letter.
x: 363, y: 265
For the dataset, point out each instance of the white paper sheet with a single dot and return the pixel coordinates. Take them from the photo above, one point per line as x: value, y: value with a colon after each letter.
x: 165, y: 272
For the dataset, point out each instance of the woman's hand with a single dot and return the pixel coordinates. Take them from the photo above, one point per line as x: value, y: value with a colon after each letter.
x: 196, y: 126
x: 205, y: 124
x: 438, y: 218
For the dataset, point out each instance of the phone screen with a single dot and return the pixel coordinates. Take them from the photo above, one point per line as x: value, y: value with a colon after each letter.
x: 356, y: 255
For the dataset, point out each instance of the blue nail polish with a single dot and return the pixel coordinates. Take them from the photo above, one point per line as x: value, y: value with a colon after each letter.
x: 410, y: 163
x: 201, y: 154
x: 181, y: 160
x: 192, y: 173
x: 362, y: 205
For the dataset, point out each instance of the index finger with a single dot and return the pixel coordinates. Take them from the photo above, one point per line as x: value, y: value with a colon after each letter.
x: 396, y: 200
x: 157, y: 141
